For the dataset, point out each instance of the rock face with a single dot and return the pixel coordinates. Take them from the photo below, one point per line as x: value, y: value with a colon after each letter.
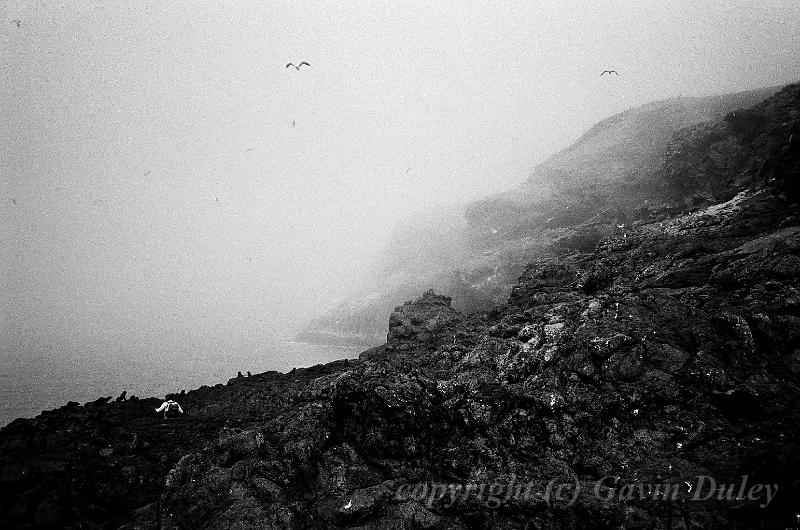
x: 422, y: 321
x: 614, y: 379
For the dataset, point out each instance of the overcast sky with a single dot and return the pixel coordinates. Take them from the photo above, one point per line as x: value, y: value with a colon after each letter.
x: 153, y: 182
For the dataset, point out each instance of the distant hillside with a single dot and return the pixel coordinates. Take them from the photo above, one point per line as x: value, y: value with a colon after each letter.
x: 621, y: 150
x: 612, y: 175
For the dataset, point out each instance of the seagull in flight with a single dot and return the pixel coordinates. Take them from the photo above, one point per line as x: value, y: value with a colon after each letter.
x: 298, y: 66
x: 16, y: 22
x: 609, y: 72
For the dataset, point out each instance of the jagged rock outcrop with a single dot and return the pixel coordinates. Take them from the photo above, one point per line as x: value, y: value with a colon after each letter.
x: 421, y: 321
x: 664, y: 357
x: 421, y: 324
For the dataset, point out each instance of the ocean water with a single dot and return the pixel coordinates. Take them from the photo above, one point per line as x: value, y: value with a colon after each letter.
x: 39, y: 378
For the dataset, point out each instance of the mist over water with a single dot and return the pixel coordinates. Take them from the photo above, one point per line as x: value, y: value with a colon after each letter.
x: 174, y: 202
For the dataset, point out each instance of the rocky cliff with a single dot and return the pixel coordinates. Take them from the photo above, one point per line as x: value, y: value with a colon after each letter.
x: 643, y: 375
x: 612, y: 174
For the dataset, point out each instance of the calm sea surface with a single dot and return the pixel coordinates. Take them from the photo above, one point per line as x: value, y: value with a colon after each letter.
x: 42, y: 378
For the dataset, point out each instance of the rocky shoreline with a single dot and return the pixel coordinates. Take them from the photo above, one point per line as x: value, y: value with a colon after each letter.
x: 338, y: 339
x: 632, y: 362
x: 616, y: 381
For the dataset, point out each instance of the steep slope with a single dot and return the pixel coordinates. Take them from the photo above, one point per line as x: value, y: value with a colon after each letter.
x: 609, y: 391
x: 613, y: 174
x: 631, y: 143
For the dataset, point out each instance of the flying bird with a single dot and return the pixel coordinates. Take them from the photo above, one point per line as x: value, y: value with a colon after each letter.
x: 17, y: 23
x: 248, y: 149
x: 298, y: 66
x: 609, y: 72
